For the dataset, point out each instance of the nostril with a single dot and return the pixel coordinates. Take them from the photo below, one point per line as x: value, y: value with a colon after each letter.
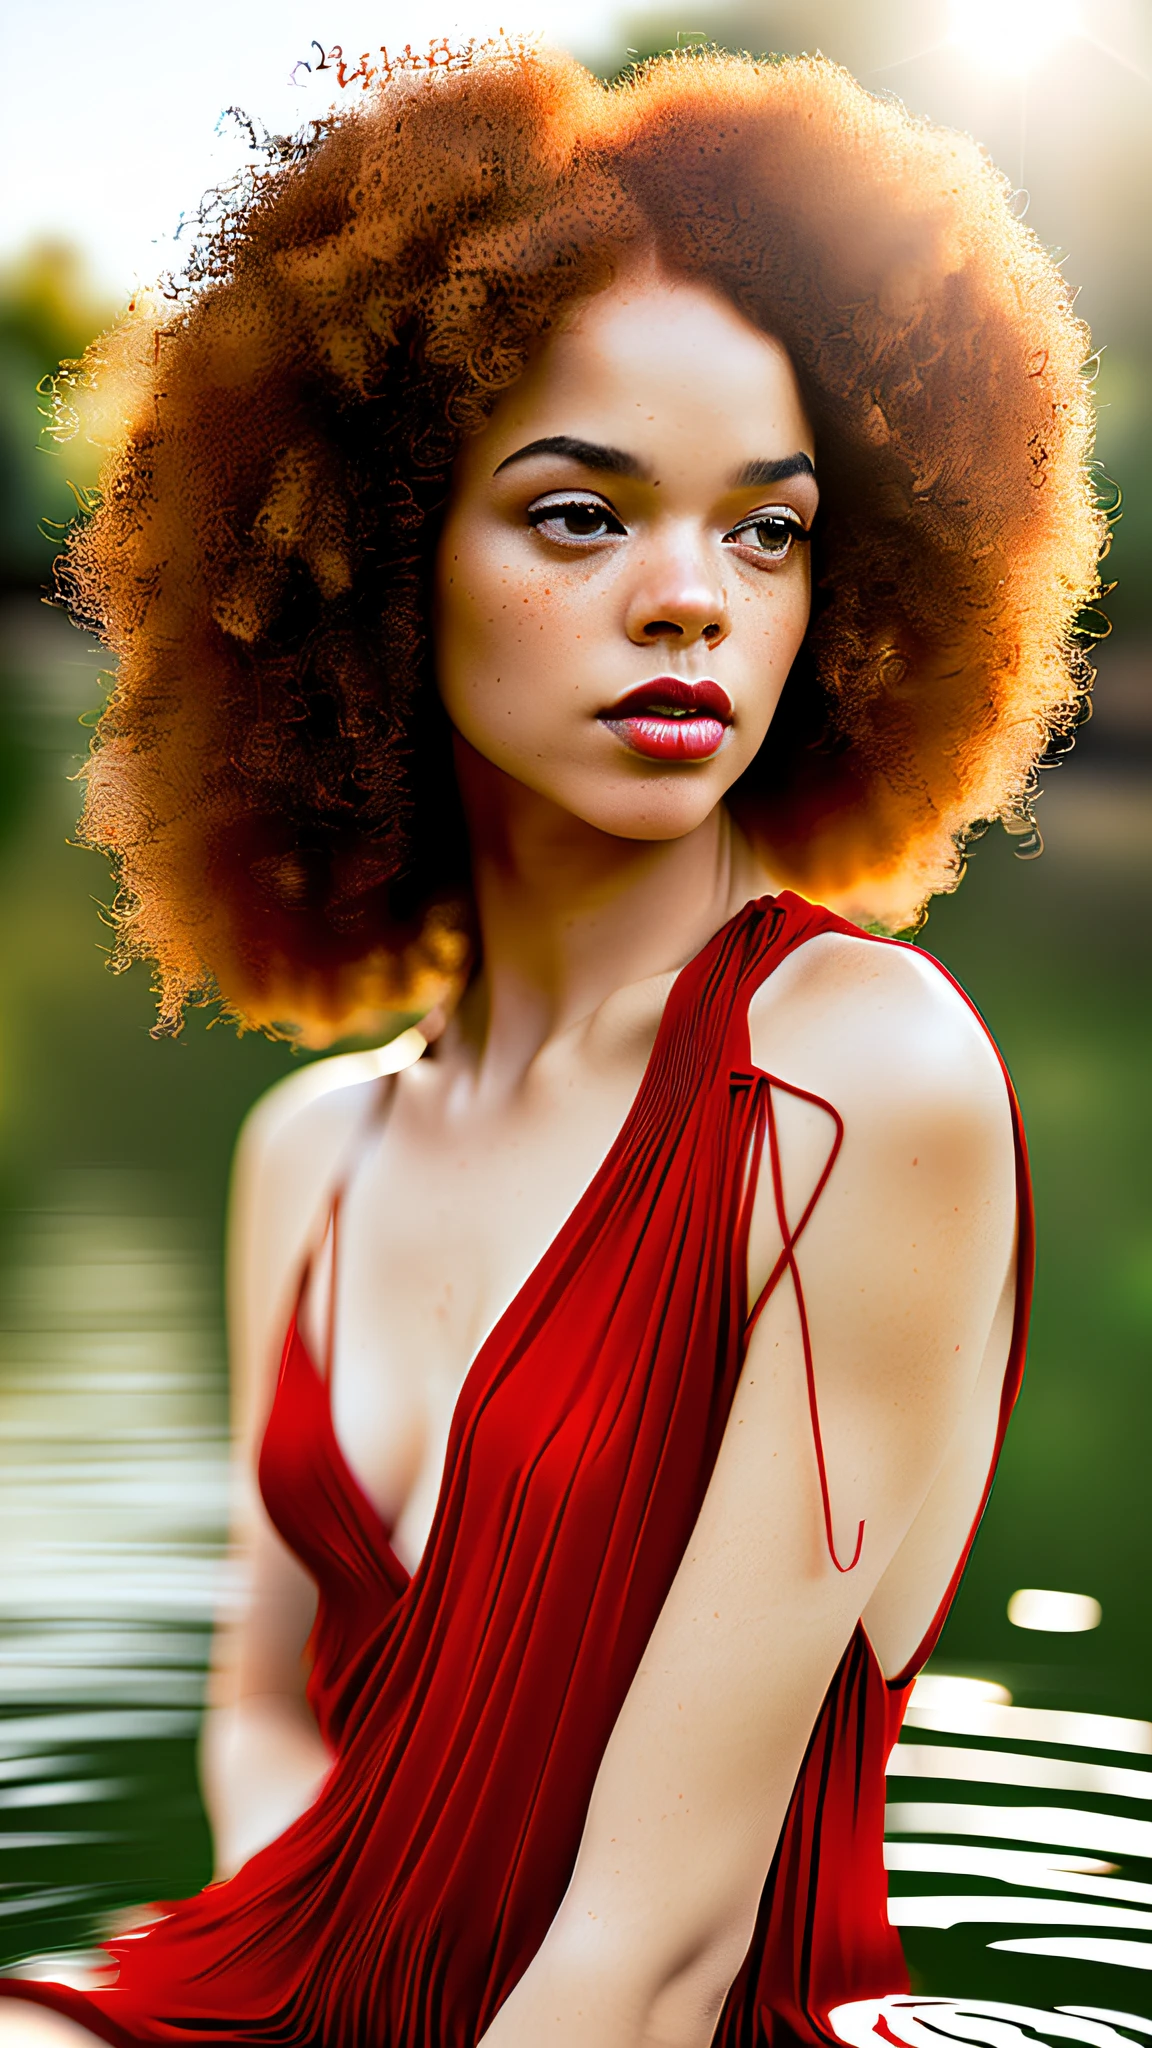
x: 659, y: 629
x: 711, y: 633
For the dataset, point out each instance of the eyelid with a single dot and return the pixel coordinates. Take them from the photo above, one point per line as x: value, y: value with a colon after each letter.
x: 579, y: 495
x: 787, y: 513
x: 550, y: 506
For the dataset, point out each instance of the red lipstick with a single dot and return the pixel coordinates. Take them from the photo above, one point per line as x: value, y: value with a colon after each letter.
x: 671, y: 720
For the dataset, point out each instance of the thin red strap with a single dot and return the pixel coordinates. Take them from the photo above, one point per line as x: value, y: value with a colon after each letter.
x: 787, y: 1263
x: 362, y: 1138
x: 330, y: 1319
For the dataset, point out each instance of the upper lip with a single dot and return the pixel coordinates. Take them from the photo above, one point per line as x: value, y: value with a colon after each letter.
x: 675, y: 693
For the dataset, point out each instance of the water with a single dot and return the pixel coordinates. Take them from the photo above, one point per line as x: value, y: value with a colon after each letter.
x: 113, y: 1507
x: 1020, y: 1816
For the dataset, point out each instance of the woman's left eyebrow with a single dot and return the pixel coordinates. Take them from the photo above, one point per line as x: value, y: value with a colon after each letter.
x: 765, y: 471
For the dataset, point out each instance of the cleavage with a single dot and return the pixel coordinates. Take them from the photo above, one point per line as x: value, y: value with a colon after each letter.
x: 437, y: 1239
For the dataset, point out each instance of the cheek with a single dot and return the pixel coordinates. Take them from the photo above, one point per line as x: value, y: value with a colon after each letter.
x: 497, y: 626
x: 796, y: 614
x: 470, y: 623
x: 779, y: 629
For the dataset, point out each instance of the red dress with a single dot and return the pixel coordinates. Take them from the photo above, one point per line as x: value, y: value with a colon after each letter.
x: 468, y: 1706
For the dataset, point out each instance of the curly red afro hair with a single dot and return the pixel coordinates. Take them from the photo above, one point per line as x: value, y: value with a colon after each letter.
x: 272, y: 775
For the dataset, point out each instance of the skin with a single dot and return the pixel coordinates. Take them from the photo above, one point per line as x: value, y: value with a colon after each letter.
x: 598, y: 874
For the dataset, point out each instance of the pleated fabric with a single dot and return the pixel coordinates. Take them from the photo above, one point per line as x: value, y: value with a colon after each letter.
x: 468, y: 1706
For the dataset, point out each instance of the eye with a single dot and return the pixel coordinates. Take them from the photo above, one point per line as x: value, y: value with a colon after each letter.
x: 570, y: 520
x: 771, y: 535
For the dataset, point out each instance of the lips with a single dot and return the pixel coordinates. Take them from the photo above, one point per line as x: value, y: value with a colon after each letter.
x: 671, y: 720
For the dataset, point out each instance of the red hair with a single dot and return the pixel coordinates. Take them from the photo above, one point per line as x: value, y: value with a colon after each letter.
x: 272, y: 776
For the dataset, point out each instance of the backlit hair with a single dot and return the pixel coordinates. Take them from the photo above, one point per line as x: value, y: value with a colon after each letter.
x: 272, y: 776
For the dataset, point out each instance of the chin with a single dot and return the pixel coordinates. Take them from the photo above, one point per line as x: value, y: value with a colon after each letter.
x: 662, y: 808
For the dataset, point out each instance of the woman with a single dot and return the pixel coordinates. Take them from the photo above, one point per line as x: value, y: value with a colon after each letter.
x: 563, y: 536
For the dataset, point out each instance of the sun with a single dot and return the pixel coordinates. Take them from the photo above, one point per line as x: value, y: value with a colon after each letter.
x: 1012, y: 36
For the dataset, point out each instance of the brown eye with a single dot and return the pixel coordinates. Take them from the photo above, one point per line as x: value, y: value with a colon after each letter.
x: 574, y: 519
x: 770, y: 534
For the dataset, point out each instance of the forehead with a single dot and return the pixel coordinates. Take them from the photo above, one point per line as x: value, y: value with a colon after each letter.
x: 651, y: 358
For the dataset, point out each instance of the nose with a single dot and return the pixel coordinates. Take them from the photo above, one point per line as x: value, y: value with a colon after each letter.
x: 677, y: 596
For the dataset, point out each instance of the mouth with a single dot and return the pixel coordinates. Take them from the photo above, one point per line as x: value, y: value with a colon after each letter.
x: 671, y: 720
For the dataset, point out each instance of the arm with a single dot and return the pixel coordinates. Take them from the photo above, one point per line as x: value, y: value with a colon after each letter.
x: 262, y: 1758
x: 904, y: 1265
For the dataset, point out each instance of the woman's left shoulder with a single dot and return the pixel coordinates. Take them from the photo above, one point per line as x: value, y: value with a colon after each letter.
x: 878, y: 1027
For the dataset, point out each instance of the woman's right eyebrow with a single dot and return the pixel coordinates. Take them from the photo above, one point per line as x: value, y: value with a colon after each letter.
x: 590, y: 455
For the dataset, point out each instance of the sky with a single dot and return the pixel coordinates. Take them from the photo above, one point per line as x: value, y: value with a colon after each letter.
x: 109, y: 109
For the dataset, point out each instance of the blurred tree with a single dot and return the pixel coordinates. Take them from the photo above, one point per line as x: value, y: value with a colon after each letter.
x: 49, y: 311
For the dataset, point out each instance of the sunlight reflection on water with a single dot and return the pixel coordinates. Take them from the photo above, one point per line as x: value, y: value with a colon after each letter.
x: 113, y: 1501
x: 113, y: 1451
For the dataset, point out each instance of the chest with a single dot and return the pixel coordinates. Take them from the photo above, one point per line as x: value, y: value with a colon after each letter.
x: 452, y: 1209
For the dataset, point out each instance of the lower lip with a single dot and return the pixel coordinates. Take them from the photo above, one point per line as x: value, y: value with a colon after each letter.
x: 669, y: 739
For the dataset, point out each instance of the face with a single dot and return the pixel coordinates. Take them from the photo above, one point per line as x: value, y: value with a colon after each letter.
x: 623, y: 578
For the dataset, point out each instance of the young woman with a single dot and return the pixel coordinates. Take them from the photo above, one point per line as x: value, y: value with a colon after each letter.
x: 562, y: 538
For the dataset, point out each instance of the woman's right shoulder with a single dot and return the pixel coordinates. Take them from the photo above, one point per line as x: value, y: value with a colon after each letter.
x: 295, y: 1145
x: 305, y: 1122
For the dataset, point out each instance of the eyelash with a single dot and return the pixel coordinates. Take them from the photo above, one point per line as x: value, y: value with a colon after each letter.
x: 554, y: 508
x: 789, y: 528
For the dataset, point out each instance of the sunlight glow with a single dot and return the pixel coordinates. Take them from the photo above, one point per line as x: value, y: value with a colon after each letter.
x: 1123, y: 1955
x: 919, y: 2022
x: 1014, y: 1767
x: 351, y: 1069
x: 1103, y: 2012
x: 1012, y: 36
x: 961, y: 1714
x: 80, y: 1969
x: 1061, y: 1614
x: 1081, y: 1876
x: 1064, y: 1827
x: 941, y: 1692
x: 962, y: 1909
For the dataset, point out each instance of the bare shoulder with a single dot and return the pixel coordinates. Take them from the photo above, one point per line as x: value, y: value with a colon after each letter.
x: 305, y: 1121
x: 293, y: 1146
x: 879, y: 1029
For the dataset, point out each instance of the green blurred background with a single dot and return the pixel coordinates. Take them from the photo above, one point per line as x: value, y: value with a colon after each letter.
x: 114, y: 1148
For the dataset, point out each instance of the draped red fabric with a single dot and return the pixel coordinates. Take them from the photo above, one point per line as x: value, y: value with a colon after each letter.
x: 468, y: 1706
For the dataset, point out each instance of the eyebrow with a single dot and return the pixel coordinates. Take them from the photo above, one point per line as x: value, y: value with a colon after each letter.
x: 754, y: 474
x: 617, y: 462
x: 590, y: 454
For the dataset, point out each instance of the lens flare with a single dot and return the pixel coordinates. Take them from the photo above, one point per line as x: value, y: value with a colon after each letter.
x: 1012, y: 36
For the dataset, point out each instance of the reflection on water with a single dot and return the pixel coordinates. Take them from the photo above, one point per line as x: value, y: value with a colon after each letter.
x: 112, y: 1510
x: 112, y: 1451
x: 1011, y: 1749
x: 919, y: 2023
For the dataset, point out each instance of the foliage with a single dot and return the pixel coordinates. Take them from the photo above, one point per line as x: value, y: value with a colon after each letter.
x: 49, y: 312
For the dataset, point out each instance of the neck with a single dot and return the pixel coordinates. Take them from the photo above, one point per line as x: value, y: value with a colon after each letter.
x: 568, y: 914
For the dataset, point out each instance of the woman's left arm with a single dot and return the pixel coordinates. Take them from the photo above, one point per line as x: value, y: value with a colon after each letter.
x: 904, y: 1265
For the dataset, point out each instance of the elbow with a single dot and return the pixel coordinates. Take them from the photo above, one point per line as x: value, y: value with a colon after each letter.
x: 660, y: 1993
x: 685, y: 2010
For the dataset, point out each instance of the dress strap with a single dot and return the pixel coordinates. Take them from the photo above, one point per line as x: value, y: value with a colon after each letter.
x: 327, y: 1231
x: 787, y: 1262
x: 333, y: 1269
